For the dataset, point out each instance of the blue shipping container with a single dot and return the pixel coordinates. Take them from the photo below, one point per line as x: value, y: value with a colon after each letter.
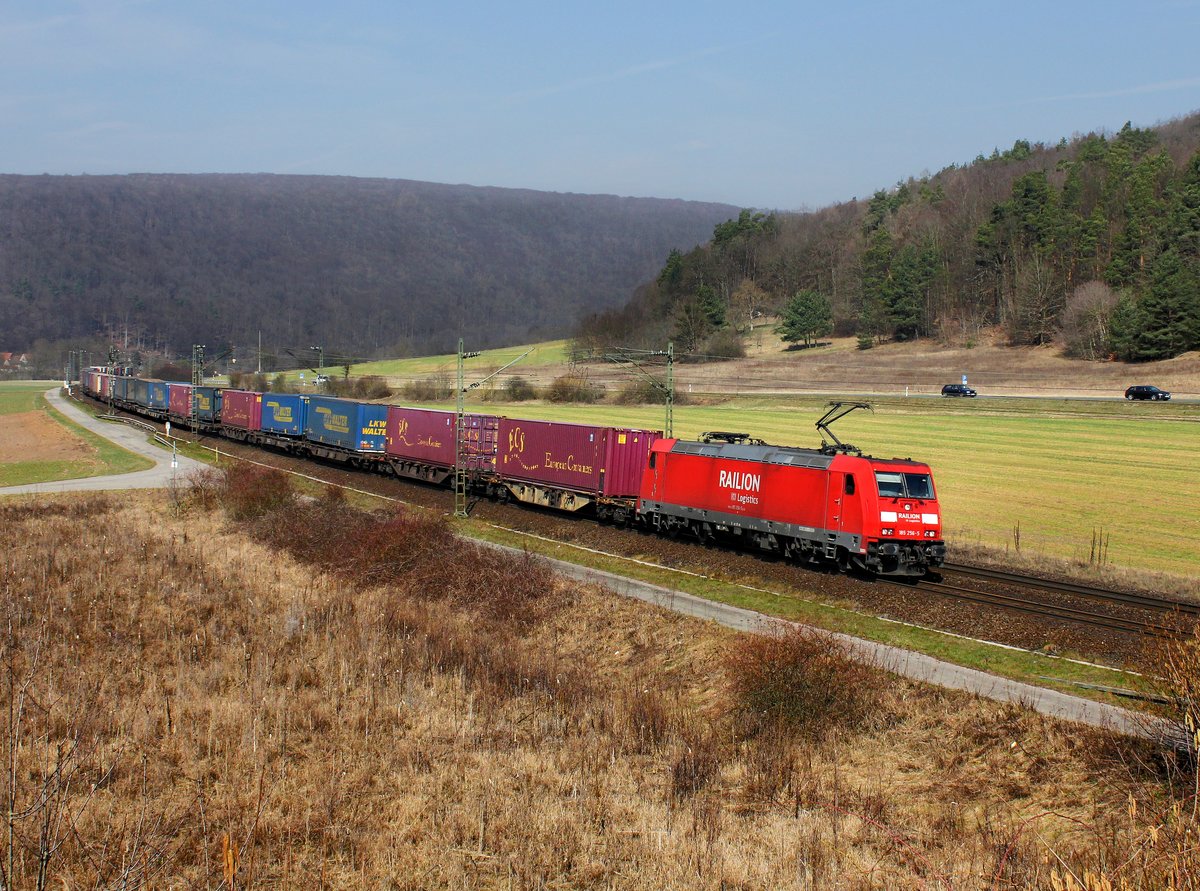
x: 357, y: 426
x: 139, y: 391
x: 157, y: 395
x: 120, y: 387
x: 284, y: 413
x: 208, y: 403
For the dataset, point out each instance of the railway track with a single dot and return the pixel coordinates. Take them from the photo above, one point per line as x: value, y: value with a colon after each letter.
x: 1181, y: 608
x: 1012, y: 598
x: 1186, y: 613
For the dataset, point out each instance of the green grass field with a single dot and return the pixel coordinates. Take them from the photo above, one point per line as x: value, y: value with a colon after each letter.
x: 104, y: 458
x: 17, y: 396
x: 552, y: 352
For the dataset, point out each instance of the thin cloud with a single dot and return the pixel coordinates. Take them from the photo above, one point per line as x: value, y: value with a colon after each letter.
x: 14, y: 30
x: 611, y: 77
x: 1162, y: 87
x: 97, y: 127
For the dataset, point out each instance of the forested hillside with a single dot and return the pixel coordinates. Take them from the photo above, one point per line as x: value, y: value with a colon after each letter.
x: 1094, y: 243
x: 354, y: 265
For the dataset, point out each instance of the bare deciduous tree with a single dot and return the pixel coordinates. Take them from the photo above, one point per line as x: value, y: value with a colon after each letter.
x: 1084, y: 323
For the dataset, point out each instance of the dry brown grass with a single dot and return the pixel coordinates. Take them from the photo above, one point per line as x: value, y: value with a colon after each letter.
x: 444, y: 718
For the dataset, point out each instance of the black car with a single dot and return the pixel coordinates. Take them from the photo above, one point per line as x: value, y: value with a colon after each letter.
x: 1144, y: 391
x: 958, y: 390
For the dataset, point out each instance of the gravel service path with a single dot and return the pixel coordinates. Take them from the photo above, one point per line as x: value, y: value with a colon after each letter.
x: 157, y: 477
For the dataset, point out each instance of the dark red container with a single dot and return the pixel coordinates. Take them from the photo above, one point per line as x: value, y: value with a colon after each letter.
x: 179, y: 400
x: 242, y: 409
x: 577, y: 457
x: 427, y: 437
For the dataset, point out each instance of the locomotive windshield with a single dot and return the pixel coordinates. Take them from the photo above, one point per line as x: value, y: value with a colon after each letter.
x: 904, y: 485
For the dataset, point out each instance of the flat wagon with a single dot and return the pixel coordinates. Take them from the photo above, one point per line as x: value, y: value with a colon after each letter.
x: 573, y: 466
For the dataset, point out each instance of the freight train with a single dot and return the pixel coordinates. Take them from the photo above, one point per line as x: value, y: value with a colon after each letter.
x: 830, y: 505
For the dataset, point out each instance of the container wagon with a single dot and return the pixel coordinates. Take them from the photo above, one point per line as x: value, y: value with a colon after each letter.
x: 344, y: 430
x: 421, y: 443
x: 179, y: 401
x: 571, y: 467
x: 241, y: 413
x: 283, y: 414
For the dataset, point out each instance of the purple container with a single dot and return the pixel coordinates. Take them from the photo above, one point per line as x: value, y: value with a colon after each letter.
x: 426, y: 436
x: 577, y: 457
x: 242, y: 409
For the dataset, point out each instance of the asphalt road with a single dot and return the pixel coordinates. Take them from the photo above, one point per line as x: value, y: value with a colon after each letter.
x: 905, y: 663
x: 159, y: 476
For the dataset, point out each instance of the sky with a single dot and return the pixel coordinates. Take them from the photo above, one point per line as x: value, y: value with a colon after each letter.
x: 771, y: 105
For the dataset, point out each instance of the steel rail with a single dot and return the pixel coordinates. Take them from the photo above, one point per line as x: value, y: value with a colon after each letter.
x: 1149, y: 601
x: 1067, y: 613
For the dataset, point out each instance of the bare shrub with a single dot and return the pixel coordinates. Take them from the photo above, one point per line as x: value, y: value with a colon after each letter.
x: 517, y: 389
x: 204, y: 488
x: 646, y: 716
x: 417, y: 553
x: 249, y: 491
x: 798, y: 680
x: 432, y: 389
x: 369, y: 386
x: 1084, y: 320
x: 696, y: 764
x: 724, y: 344
x: 640, y: 392
x: 372, y: 386
x: 1179, y: 667
x: 574, y: 388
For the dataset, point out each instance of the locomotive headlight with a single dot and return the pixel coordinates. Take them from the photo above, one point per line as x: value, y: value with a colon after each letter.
x: 931, y: 533
x: 887, y: 530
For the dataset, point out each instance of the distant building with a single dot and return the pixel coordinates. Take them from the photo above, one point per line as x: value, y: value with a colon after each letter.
x: 14, y: 361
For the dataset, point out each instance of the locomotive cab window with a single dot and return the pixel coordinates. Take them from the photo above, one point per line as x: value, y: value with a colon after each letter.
x: 918, y: 485
x: 849, y: 484
x: 891, y: 485
x: 904, y: 485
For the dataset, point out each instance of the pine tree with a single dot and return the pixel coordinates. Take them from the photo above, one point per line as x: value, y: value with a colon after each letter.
x: 807, y: 316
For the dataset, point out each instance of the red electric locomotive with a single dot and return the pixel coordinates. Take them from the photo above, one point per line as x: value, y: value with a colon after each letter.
x: 828, y: 504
